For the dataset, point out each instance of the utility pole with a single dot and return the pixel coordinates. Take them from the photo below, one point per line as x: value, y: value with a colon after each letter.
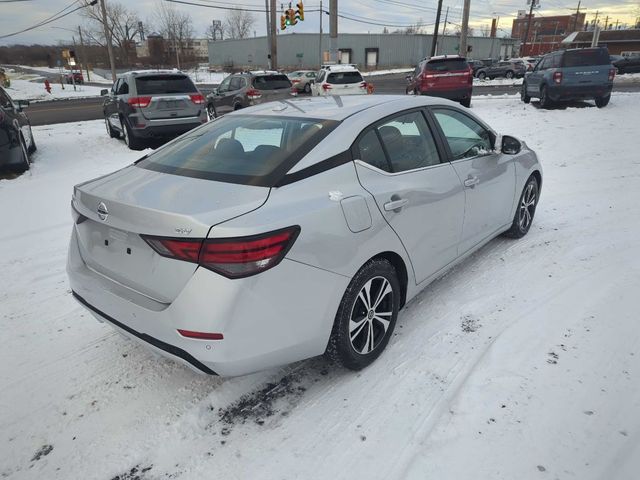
x: 84, y: 54
x: 444, y: 27
x: 462, y: 49
x: 266, y: 8
x: 617, y: 21
x: 434, y: 40
x: 606, y: 22
x: 575, y: 23
x: 595, y: 20
x: 333, y: 29
x: 320, y: 42
x: 274, y: 39
x: 526, y: 33
x: 107, y: 36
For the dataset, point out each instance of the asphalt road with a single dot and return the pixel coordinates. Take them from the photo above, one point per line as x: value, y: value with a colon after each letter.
x: 60, y: 111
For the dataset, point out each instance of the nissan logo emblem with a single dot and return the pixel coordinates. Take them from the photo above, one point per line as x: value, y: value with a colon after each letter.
x: 103, y: 213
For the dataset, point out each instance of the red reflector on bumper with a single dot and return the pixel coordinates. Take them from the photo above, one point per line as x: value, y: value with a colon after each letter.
x: 201, y: 335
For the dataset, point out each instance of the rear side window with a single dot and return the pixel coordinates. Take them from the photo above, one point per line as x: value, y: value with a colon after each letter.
x: 161, y: 84
x: 447, y: 65
x: 249, y: 150
x: 271, y: 82
x: 585, y: 58
x: 343, y: 78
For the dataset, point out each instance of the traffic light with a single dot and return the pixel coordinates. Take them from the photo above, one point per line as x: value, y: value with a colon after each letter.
x: 300, y: 11
x: 283, y: 22
x: 291, y: 16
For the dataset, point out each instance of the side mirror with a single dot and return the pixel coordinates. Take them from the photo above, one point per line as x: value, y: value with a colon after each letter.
x: 22, y: 104
x: 510, y: 145
x: 104, y: 92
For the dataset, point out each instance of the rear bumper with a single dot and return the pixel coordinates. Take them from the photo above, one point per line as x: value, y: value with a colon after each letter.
x: 164, y: 131
x: 453, y: 94
x: 277, y: 317
x: 576, y: 92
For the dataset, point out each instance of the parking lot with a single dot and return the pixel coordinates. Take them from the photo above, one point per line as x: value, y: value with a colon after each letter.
x: 523, y: 356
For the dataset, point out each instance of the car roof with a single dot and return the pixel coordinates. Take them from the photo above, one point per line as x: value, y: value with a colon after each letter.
x: 340, y: 67
x: 336, y: 107
x: 444, y: 57
x: 152, y: 72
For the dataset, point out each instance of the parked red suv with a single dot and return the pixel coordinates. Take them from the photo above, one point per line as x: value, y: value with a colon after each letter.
x: 448, y: 76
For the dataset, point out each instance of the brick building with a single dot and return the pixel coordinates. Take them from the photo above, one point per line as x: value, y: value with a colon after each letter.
x: 545, y: 33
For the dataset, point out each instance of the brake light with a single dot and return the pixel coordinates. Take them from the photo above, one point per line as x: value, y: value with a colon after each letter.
x: 197, y: 98
x: 363, y: 85
x: 612, y: 74
x: 295, y: 81
x: 326, y: 86
x: 232, y: 257
x: 557, y: 77
x: 253, y: 94
x: 141, y: 102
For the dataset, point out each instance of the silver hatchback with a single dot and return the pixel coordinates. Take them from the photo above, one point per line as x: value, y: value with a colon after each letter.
x: 295, y: 228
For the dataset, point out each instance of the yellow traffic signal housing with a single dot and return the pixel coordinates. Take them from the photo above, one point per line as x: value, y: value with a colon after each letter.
x: 283, y: 22
x: 300, y: 12
x: 291, y: 13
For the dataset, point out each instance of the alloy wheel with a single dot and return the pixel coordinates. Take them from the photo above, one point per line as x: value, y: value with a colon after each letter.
x: 527, y: 206
x: 371, y: 315
x: 125, y: 133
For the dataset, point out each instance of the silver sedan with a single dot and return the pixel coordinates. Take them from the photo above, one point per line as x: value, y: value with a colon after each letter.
x: 295, y: 228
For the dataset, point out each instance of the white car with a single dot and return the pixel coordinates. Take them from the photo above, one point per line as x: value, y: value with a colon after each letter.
x: 339, y: 80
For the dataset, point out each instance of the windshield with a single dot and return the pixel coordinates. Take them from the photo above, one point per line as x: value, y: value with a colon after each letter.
x: 448, y: 65
x: 250, y: 150
x: 586, y: 57
x: 161, y: 84
x: 342, y: 78
x: 271, y: 82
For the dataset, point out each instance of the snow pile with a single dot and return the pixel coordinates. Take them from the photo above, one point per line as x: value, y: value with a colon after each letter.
x: 522, y: 362
x: 375, y: 73
x: 204, y: 76
x: 28, y: 90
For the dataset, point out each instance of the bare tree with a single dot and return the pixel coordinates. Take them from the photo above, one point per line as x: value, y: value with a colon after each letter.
x: 121, y: 22
x: 214, y: 33
x: 238, y: 24
x: 174, y: 25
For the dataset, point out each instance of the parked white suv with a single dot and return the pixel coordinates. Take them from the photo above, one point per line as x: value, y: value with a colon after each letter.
x: 339, y: 80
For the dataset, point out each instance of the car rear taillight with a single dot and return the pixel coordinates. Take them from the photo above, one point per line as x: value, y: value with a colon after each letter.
x: 612, y: 74
x: 557, y: 77
x: 295, y: 81
x: 326, y: 86
x: 139, y: 101
x: 197, y: 98
x: 363, y: 85
x: 253, y: 94
x: 232, y: 257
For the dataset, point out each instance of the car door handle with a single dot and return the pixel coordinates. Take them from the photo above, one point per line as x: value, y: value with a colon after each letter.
x: 471, y: 182
x: 395, y: 204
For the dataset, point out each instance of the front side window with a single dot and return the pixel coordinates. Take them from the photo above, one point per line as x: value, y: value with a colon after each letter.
x: 250, y: 150
x: 466, y: 137
x: 123, y: 88
x: 224, y: 85
x: 5, y: 101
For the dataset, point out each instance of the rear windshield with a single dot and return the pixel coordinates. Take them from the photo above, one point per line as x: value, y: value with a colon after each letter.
x: 343, y: 78
x: 244, y: 149
x: 586, y: 57
x: 271, y: 82
x: 448, y: 65
x: 160, y: 84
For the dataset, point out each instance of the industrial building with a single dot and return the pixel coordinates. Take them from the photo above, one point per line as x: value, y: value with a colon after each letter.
x: 368, y: 51
x: 545, y: 33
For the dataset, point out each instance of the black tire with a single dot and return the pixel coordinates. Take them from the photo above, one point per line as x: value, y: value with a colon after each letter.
x: 211, y: 111
x: 525, y: 210
x: 26, y: 161
x: 133, y: 142
x: 33, y: 147
x: 466, y: 102
x: 307, y: 88
x: 602, y: 101
x: 110, y: 131
x: 523, y: 93
x: 545, y: 101
x: 370, y: 336
x: 482, y: 75
x: 509, y: 75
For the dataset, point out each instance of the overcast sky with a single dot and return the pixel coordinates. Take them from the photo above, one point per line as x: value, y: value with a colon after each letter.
x: 18, y: 15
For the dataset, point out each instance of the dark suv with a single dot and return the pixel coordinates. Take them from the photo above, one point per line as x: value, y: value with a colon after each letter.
x: 506, y: 69
x: 565, y: 75
x: 245, y: 89
x: 448, y: 76
x: 152, y: 105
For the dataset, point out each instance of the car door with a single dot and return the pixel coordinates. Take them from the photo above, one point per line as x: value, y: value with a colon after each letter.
x: 488, y: 177
x: 223, y: 98
x: 534, y: 79
x: 110, y: 105
x: 399, y: 163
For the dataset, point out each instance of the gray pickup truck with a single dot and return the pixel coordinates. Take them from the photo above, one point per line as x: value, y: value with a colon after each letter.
x: 241, y: 90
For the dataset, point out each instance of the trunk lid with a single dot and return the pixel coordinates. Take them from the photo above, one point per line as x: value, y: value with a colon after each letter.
x: 120, y: 207
x: 447, y: 74
x: 170, y: 96
x: 586, y: 67
x: 346, y: 83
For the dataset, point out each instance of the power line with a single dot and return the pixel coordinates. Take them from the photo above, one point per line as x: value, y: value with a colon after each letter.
x: 52, y: 18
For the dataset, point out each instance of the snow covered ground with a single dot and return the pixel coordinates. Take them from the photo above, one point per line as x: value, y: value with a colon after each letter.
x: 33, y: 91
x: 521, y: 363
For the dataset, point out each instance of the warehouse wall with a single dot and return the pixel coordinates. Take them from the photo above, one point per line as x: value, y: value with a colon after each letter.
x: 301, y: 50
